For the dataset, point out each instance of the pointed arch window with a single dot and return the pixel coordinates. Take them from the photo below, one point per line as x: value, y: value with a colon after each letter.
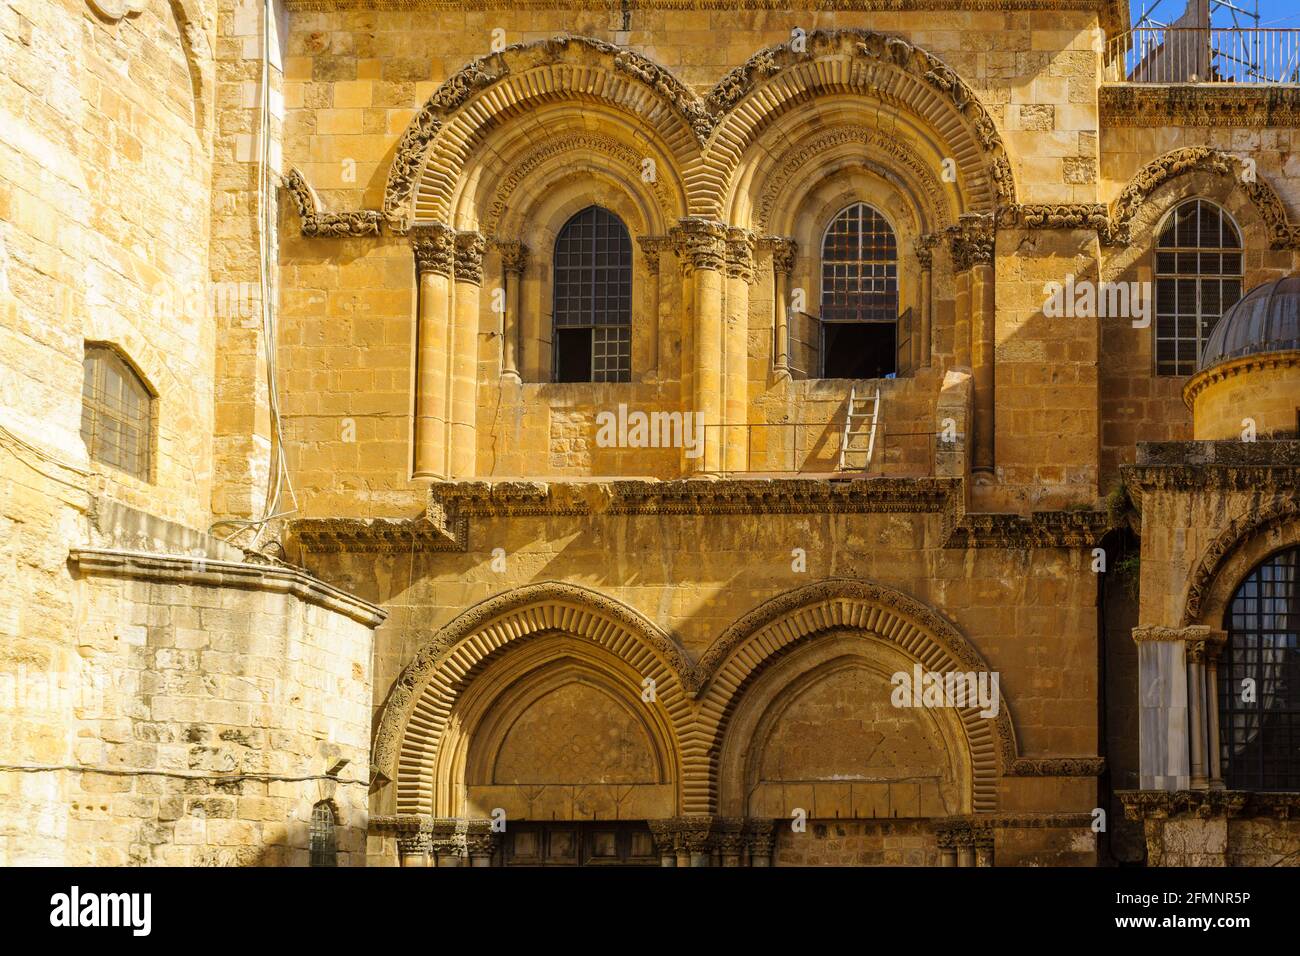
x: 593, y: 299
x: 1260, y: 720
x: 116, y: 412
x: 859, y: 301
x: 1198, y: 277
x: 324, y: 838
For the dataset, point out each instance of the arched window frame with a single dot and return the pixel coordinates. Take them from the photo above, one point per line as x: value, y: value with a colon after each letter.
x: 1185, y: 292
x: 324, y: 835
x: 891, y: 294
x: 118, y: 435
x: 595, y: 295
x: 1262, y: 619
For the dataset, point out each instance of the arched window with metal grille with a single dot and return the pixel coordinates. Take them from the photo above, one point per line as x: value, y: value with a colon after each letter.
x: 593, y: 299
x: 1259, y: 679
x: 859, y: 301
x: 116, y: 412
x: 1198, y: 276
x: 324, y: 838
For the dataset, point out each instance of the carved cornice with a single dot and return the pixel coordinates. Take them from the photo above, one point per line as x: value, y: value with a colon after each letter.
x: 327, y: 225
x: 1192, y: 634
x: 1189, y: 159
x: 1242, y: 529
x: 1041, y: 529
x: 1082, y: 215
x: 1204, y: 804
x: 1263, y: 468
x: 1200, y: 105
x: 971, y: 242
x: 433, y: 532
x: 740, y: 254
x: 468, y: 265
x: 1230, y: 368
x: 1057, y: 767
x: 204, y: 572
x: 434, y: 246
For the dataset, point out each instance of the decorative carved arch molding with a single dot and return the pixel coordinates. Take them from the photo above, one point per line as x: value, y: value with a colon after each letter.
x: 1231, y: 556
x: 778, y: 78
x: 891, y: 159
x: 442, y: 137
x: 617, y: 155
x: 422, y: 700
x: 880, y: 613
x: 1282, y: 234
x: 327, y: 225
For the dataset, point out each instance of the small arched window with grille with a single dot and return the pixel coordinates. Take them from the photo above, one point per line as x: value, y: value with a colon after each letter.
x: 116, y: 412
x: 593, y: 299
x: 859, y: 302
x: 1198, y: 277
x: 1259, y: 679
x: 324, y: 838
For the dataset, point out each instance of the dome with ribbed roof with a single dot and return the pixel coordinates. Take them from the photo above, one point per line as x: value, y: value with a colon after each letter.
x: 1265, y: 319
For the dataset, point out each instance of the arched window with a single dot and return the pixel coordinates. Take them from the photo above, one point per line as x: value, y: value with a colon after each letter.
x: 593, y: 299
x: 859, y: 319
x: 324, y: 842
x: 1260, y: 720
x: 116, y: 412
x: 1198, y: 276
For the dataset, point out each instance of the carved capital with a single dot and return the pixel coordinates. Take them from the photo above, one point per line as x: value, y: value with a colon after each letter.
x: 651, y: 247
x: 514, y: 256
x: 740, y: 254
x: 468, y: 266
x: 971, y: 241
x: 925, y: 249
x: 700, y: 244
x: 434, y: 246
x: 784, y: 250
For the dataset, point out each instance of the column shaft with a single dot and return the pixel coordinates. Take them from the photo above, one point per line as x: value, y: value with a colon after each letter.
x: 982, y: 342
x: 433, y: 247
x: 464, y: 367
x: 740, y: 272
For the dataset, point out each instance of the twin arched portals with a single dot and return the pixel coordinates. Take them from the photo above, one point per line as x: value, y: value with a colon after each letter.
x: 478, y: 716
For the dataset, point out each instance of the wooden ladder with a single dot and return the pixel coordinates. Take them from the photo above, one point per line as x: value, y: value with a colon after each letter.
x: 859, y: 423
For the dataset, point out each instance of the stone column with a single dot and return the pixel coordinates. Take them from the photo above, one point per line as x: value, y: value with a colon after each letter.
x: 703, y: 245
x: 972, y: 251
x: 514, y: 257
x: 783, y: 253
x: 982, y: 838
x: 740, y: 273
x: 650, y: 248
x: 921, y: 335
x: 468, y: 271
x: 1162, y: 707
x: 698, y: 836
x: 1213, y: 650
x: 731, y: 841
x: 1197, y: 745
x: 434, y: 249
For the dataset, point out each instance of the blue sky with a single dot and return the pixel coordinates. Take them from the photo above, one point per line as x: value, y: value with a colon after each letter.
x: 1272, y: 13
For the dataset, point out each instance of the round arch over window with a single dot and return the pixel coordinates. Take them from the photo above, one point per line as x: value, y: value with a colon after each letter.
x: 116, y: 412
x: 1259, y: 679
x: 593, y: 299
x: 1198, y: 276
x: 859, y: 301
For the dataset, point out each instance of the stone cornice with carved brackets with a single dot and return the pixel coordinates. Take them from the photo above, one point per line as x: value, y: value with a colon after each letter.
x: 1244, y: 106
x: 328, y: 225
x: 1161, y: 804
x: 1057, y: 767
x: 1262, y: 468
x: 452, y: 505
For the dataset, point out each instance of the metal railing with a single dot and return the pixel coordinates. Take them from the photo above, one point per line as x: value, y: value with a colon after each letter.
x: 1204, y: 55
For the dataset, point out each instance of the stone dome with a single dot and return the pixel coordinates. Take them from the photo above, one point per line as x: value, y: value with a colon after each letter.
x: 1265, y: 319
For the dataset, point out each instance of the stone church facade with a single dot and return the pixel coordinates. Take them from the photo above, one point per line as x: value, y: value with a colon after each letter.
x: 458, y: 434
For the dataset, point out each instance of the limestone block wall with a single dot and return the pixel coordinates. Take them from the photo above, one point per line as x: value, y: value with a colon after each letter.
x: 224, y: 696
x: 104, y: 179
